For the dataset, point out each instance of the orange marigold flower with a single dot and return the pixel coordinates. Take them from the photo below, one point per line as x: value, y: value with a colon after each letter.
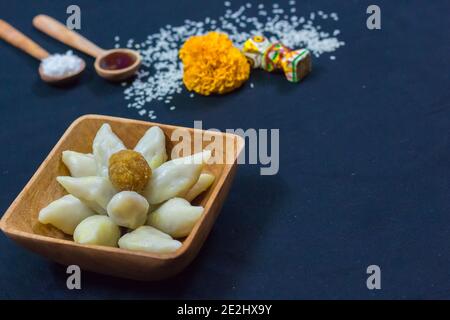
x: 211, y: 64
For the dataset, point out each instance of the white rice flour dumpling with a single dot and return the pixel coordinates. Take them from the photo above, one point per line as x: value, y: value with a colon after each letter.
x: 128, y: 209
x: 153, y: 147
x: 98, y: 230
x: 65, y: 213
x: 79, y: 164
x: 95, y: 192
x: 204, y: 182
x: 149, y: 239
x: 175, y: 217
x: 105, y: 144
x: 175, y: 177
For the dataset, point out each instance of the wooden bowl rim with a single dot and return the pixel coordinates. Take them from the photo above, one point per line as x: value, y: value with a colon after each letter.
x: 239, y: 144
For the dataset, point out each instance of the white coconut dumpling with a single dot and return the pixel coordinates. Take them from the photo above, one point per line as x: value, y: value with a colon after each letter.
x: 153, y: 147
x: 98, y: 230
x: 79, y: 164
x: 175, y: 177
x: 65, y: 213
x: 175, y: 217
x: 149, y: 239
x: 95, y: 192
x: 128, y: 209
x: 105, y: 144
x: 204, y: 182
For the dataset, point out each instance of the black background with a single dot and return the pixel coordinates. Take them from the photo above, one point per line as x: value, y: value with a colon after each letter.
x: 364, y: 157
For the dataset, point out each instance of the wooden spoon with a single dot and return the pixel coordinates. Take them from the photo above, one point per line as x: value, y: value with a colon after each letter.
x: 21, y: 41
x: 113, y: 65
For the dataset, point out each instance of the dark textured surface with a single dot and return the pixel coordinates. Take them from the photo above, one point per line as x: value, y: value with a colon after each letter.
x: 365, y: 158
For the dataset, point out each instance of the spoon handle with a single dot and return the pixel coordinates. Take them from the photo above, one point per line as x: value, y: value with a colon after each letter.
x: 57, y: 30
x: 21, y: 41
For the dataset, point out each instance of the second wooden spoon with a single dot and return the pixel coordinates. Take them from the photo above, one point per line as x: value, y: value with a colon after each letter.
x: 113, y: 65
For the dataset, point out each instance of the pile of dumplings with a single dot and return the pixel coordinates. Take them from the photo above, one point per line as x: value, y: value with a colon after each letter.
x: 151, y: 220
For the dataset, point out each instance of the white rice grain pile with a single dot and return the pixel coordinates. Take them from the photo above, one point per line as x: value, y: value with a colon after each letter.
x: 160, y: 77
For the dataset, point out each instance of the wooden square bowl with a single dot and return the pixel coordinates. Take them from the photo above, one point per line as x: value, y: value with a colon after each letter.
x: 20, y: 221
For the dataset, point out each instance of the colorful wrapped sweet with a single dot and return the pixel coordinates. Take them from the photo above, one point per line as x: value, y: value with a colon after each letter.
x: 296, y: 64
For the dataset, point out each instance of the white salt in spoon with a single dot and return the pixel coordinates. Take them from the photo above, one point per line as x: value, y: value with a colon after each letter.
x: 113, y: 65
x: 21, y: 41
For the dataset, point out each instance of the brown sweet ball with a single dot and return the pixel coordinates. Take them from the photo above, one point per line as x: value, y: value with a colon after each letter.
x: 128, y: 170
